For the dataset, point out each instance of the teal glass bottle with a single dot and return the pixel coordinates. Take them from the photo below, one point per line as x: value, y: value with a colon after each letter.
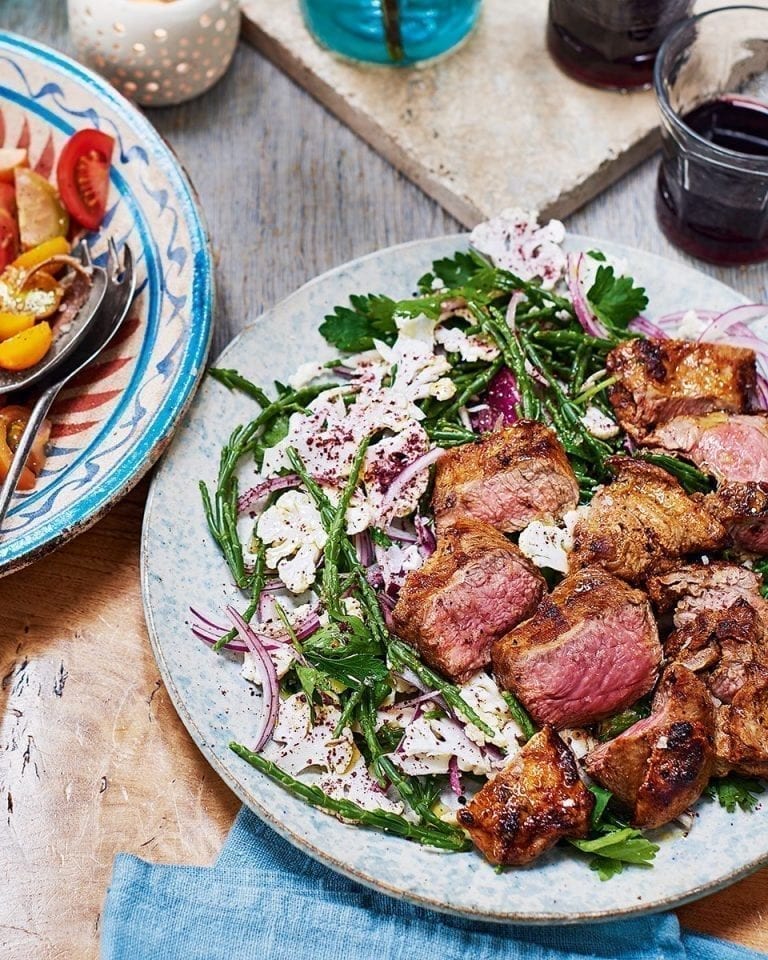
x: 397, y: 32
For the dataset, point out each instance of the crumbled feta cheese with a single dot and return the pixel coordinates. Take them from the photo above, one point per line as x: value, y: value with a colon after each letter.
x: 281, y: 656
x: 305, y: 374
x: 590, y: 266
x: 421, y: 327
x: 296, y: 745
x: 691, y: 326
x: 515, y: 241
x: 469, y: 347
x: 353, y: 607
x: 293, y: 533
x: 357, y: 785
x: 482, y: 694
x: 546, y: 545
x: 599, y: 424
x: 429, y: 743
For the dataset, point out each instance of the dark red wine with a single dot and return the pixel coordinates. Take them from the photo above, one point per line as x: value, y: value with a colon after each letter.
x: 608, y: 43
x: 718, y: 211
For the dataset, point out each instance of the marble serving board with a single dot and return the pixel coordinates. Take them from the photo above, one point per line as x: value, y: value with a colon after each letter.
x: 495, y: 124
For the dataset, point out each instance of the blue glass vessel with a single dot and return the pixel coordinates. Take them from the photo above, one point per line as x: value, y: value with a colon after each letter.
x: 398, y: 32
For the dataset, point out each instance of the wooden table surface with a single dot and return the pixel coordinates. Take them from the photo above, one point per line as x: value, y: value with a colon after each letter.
x: 93, y: 759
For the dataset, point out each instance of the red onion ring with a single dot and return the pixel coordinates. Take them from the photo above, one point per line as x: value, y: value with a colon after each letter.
x: 413, y: 469
x: 270, y: 687
x: 268, y: 486
x: 584, y: 315
x: 454, y: 777
x: 647, y: 328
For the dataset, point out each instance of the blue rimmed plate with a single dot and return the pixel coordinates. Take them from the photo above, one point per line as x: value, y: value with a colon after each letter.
x: 215, y: 702
x: 110, y: 426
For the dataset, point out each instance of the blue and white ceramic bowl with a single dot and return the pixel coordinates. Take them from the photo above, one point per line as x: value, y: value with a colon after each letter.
x: 217, y: 705
x: 113, y: 422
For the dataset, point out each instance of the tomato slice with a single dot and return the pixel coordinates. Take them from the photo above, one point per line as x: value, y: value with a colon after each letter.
x: 9, y: 227
x: 83, y: 176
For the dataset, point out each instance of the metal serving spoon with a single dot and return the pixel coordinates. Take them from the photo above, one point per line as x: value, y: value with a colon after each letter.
x: 66, y: 340
x: 119, y: 288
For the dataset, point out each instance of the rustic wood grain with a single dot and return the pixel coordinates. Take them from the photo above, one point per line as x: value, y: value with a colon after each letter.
x: 93, y: 759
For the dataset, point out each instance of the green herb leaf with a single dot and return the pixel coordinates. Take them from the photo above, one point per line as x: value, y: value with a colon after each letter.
x: 602, y: 798
x: 619, y: 722
x: 735, y: 791
x: 354, y: 328
x: 379, y: 537
x: 455, y: 271
x: 616, y: 300
x: 616, y: 848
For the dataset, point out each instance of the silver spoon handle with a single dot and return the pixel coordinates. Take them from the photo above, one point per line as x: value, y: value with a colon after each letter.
x: 36, y: 417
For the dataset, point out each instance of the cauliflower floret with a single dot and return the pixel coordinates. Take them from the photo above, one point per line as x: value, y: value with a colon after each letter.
x: 293, y: 532
x: 420, y: 373
x: 429, y: 743
x: 281, y: 656
x: 396, y: 561
x: 546, y: 545
x: 482, y: 694
x: 296, y: 745
x: 469, y: 348
x: 515, y: 241
x: 356, y: 784
x: 306, y: 373
x: 598, y: 424
x: 420, y: 327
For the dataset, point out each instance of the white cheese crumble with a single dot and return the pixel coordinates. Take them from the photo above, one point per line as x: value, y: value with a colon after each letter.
x: 599, y: 424
x: 469, y: 347
x: 691, y: 326
x: 292, y: 530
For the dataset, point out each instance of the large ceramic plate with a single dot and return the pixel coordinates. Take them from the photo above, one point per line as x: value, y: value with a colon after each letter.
x: 113, y: 423
x: 181, y: 566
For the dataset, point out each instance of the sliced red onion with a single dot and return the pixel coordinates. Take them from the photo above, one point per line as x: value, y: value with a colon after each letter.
x: 742, y: 315
x: 454, y: 777
x: 363, y: 548
x: 427, y: 539
x: 517, y: 297
x: 233, y: 646
x: 207, y: 621
x: 401, y: 481
x: 268, y: 486
x: 403, y: 536
x: 584, y: 314
x: 270, y: 687
x: 647, y: 328
x: 672, y: 320
x: 761, y: 392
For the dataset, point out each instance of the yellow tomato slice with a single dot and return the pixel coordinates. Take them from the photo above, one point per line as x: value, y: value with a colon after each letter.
x: 13, y: 323
x: 26, y: 348
x: 42, y: 252
x: 13, y: 419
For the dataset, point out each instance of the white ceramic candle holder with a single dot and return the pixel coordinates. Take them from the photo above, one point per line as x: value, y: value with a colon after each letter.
x: 156, y: 52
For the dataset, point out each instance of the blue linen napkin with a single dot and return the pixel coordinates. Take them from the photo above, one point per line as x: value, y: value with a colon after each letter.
x: 266, y: 900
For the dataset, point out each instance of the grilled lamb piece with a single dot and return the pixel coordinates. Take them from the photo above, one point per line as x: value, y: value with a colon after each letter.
x: 642, y: 518
x: 733, y: 448
x: 590, y: 650
x: 537, y: 799
x: 509, y: 478
x: 694, y: 587
x: 727, y: 649
x: 474, y: 587
x: 741, y: 729
x: 660, y: 765
x: 661, y: 379
x: 743, y: 508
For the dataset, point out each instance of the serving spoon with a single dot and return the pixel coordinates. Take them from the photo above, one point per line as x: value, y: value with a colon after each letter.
x: 119, y: 288
x: 66, y: 339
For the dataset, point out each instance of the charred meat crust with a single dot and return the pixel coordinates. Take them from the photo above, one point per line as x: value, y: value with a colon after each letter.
x: 659, y: 766
x: 743, y: 508
x: 536, y: 800
x: 474, y: 587
x: 507, y: 479
x: 643, y: 518
x: 590, y: 650
x: 692, y: 587
x: 661, y: 379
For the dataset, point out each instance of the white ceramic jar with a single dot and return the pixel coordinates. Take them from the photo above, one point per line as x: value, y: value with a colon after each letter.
x: 156, y: 52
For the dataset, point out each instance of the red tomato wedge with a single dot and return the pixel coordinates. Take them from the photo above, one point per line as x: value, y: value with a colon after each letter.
x: 82, y: 174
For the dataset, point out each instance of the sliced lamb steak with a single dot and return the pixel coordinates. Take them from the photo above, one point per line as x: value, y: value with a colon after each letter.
x: 590, y: 650
x: 643, y: 518
x: 509, y: 478
x: 729, y: 447
x: 688, y: 589
x: 474, y: 587
x: 741, y: 729
x: 660, y: 765
x: 537, y: 799
x: 661, y: 379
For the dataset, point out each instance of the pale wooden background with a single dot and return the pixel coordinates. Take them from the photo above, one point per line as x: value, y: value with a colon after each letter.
x: 92, y: 757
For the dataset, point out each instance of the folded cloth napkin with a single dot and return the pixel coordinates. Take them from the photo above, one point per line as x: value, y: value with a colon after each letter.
x: 265, y: 900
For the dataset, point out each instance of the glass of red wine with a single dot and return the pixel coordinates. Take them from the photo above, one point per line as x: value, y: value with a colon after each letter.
x: 711, y: 82
x: 611, y: 43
